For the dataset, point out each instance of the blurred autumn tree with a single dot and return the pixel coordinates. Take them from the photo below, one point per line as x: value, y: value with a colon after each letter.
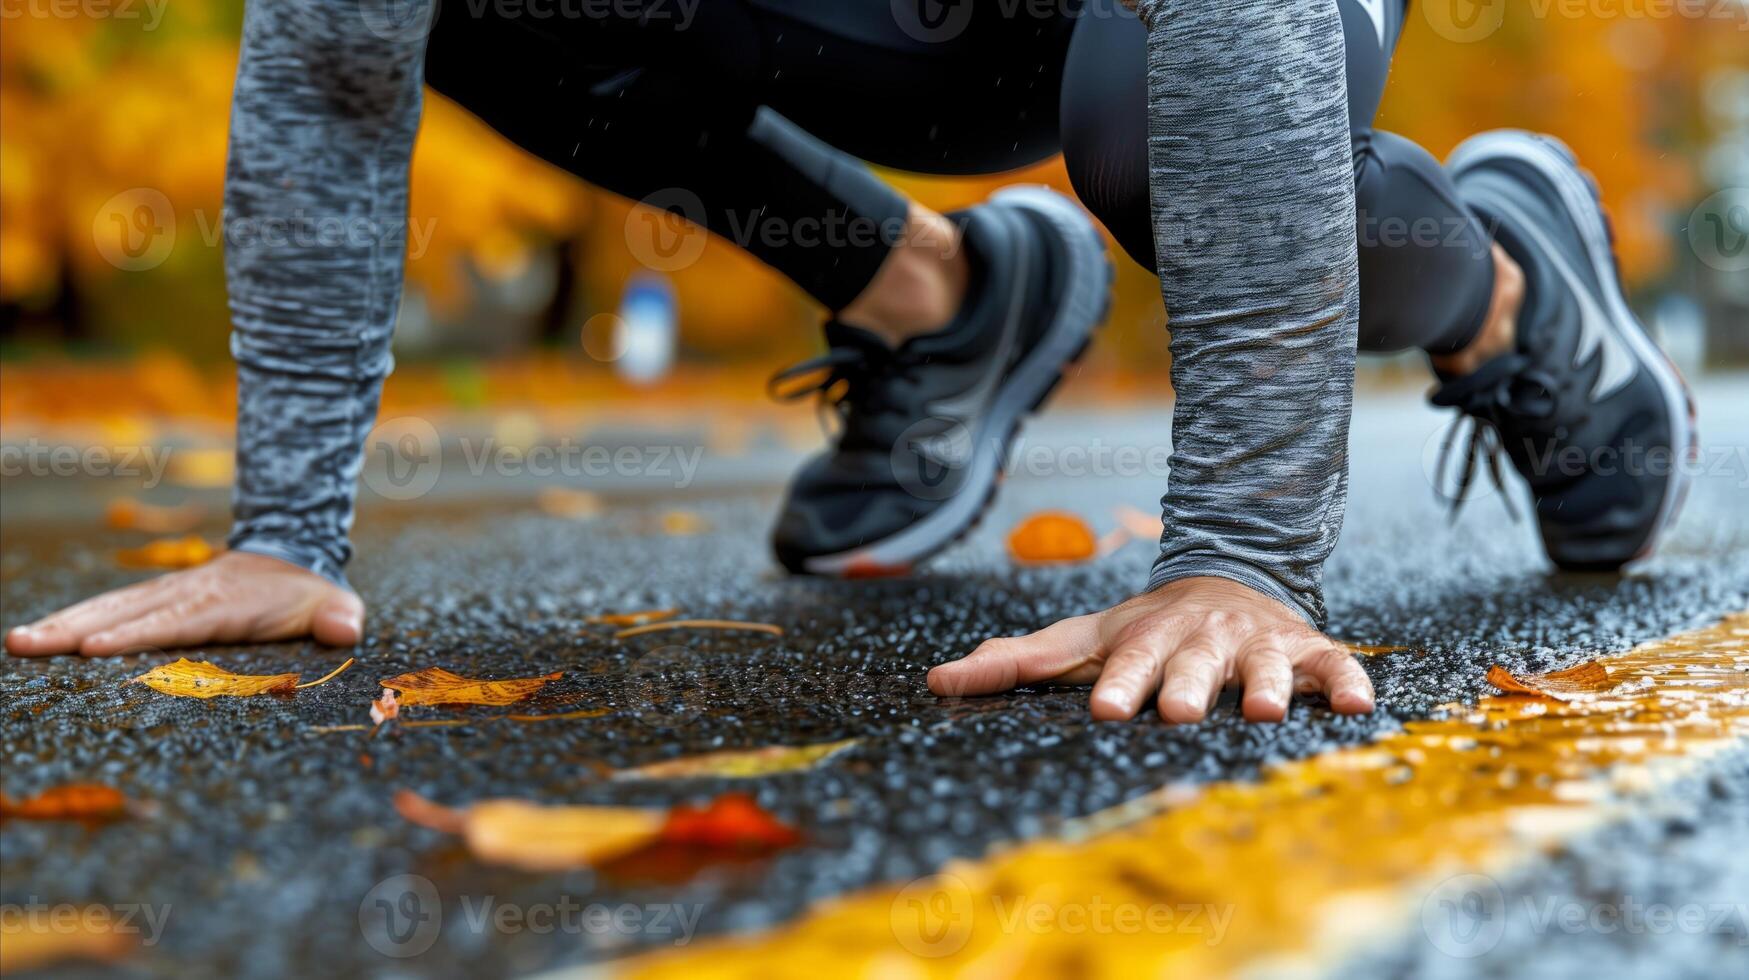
x: 95, y: 114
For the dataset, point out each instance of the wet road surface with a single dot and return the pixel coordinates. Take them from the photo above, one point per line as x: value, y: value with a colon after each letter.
x: 267, y: 834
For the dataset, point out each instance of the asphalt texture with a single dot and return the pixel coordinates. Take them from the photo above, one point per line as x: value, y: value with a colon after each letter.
x: 266, y: 835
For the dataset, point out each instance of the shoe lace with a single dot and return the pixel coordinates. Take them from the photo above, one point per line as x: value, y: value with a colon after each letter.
x: 843, y: 381
x: 1514, y: 395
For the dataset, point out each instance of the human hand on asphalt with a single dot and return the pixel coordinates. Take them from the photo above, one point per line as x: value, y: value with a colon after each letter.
x: 1179, y: 644
x: 235, y: 598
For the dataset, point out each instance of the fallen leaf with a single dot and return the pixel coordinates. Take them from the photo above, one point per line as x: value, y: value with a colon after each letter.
x: 739, y: 763
x: 682, y: 523
x: 564, y: 716
x: 32, y: 942
x: 1585, y: 680
x: 699, y: 624
x: 187, y: 679
x: 1370, y: 650
x: 206, y: 468
x: 576, y: 505
x: 128, y: 514
x: 533, y: 837
x: 434, y: 685
x: 185, y: 552
x: 631, y: 618
x: 385, y: 707
x: 89, y: 802
x: 731, y: 821
x: 1052, y: 536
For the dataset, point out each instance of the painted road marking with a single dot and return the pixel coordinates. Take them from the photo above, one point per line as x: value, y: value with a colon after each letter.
x: 1291, y: 873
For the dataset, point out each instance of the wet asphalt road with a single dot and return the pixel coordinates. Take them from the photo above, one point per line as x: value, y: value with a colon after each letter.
x: 267, y: 836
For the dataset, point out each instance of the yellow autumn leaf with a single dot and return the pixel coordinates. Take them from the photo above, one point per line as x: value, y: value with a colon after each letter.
x: 538, y: 838
x: 740, y: 763
x: 167, y: 553
x: 434, y: 685
x: 32, y: 943
x: 190, y: 679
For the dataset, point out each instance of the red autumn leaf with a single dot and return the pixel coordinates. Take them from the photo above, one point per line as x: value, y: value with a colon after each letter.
x: 75, y: 801
x: 731, y: 821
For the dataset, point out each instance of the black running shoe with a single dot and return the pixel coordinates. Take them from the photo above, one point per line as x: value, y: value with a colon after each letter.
x: 1590, y: 411
x: 927, y: 426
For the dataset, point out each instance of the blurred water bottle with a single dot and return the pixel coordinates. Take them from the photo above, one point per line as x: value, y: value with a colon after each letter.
x: 648, y: 330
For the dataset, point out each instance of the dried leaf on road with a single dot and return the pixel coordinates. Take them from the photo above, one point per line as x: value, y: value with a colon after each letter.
x: 731, y: 821
x: 631, y: 618
x: 89, y: 802
x: 683, y: 523
x: 1148, y: 527
x: 538, y: 838
x: 188, y: 679
x: 172, y: 553
x: 533, y: 837
x: 32, y: 942
x: 325, y: 678
x: 739, y: 763
x: 1052, y: 536
x: 128, y: 514
x: 434, y: 685
x: 1585, y: 680
x: 700, y: 624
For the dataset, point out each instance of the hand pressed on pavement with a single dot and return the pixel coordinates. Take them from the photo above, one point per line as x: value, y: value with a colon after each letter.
x: 1178, y: 645
x: 235, y: 598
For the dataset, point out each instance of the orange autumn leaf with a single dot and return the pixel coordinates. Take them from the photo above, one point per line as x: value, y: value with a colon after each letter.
x: 417, y: 809
x: 631, y: 618
x: 683, y: 523
x: 188, y: 679
x: 128, y: 514
x: 1148, y: 527
x: 75, y: 801
x: 739, y: 763
x: 185, y: 552
x: 1052, y: 536
x: 434, y: 685
x: 1563, y: 685
x: 33, y: 943
x: 564, y: 502
x: 731, y: 821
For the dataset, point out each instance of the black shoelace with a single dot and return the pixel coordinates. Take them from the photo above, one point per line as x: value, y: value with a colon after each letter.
x: 1514, y: 396
x: 847, y: 382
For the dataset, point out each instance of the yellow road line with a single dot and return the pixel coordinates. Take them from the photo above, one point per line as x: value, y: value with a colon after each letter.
x: 1291, y: 872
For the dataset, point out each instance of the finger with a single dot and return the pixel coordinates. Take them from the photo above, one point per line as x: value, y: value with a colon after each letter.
x: 1194, y: 677
x: 1268, y: 677
x: 196, y: 619
x: 1130, y: 676
x: 339, y: 621
x: 64, y: 631
x: 1061, y: 651
x: 1338, y: 675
